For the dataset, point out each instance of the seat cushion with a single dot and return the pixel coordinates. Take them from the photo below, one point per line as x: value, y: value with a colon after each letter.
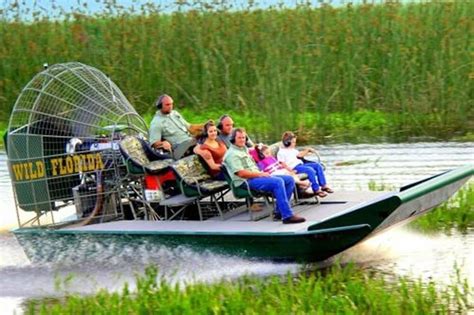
x: 158, y: 166
x: 213, y: 185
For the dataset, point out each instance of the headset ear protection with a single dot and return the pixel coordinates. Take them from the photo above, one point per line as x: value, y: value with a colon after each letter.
x: 159, y: 101
x: 206, y: 127
x: 219, y: 125
x: 233, y: 135
x: 287, y: 140
x: 204, y: 133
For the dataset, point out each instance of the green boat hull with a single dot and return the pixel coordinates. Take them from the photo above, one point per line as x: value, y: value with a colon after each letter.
x: 319, y: 241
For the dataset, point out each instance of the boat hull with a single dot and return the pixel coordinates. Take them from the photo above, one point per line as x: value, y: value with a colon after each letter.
x: 312, y: 241
x: 318, y: 245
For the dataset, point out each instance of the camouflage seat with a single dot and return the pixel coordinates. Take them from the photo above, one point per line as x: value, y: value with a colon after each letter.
x: 140, y: 158
x: 195, y: 181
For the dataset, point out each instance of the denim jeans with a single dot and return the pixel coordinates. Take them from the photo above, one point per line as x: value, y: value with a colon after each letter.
x: 281, y: 186
x: 315, y: 174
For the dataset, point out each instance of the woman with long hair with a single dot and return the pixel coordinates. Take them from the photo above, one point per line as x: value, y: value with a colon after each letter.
x: 213, y: 149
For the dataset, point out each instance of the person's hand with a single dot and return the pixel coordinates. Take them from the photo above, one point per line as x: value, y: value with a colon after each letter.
x: 166, y: 145
x: 264, y: 174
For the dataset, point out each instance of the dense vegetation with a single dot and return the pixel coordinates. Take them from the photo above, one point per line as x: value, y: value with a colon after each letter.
x: 346, y: 290
x: 352, y: 73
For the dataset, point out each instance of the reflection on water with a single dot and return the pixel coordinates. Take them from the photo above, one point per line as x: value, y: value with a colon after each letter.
x: 396, y: 252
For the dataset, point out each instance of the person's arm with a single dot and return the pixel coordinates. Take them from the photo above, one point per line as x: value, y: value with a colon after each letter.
x: 249, y: 174
x: 286, y: 167
x: 236, y: 167
x: 205, y: 154
x: 305, y: 152
x: 181, y: 118
x: 195, y: 129
x: 162, y: 145
x: 155, y: 136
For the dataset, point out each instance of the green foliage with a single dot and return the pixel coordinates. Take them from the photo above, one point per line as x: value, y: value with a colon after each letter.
x: 355, y: 72
x: 457, y: 212
x: 3, y: 130
x: 339, y: 290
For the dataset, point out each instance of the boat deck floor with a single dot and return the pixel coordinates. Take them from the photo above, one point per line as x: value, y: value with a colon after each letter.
x: 333, y: 204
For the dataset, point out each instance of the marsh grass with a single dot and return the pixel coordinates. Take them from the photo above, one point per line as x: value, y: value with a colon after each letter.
x: 457, y: 212
x: 390, y: 70
x: 341, y: 290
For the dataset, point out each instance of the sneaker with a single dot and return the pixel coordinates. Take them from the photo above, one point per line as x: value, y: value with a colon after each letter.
x: 276, y: 216
x: 294, y: 219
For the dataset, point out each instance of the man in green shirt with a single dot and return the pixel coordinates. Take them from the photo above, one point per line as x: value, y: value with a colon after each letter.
x: 241, y: 166
x: 169, y: 130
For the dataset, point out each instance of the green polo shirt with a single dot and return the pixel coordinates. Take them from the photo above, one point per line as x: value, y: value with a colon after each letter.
x: 171, y: 127
x: 236, y: 159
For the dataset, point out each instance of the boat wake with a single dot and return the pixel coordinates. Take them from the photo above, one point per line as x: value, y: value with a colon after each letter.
x: 408, y: 253
x: 87, y: 268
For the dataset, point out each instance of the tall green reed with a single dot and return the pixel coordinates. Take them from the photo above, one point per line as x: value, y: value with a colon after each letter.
x: 285, y: 68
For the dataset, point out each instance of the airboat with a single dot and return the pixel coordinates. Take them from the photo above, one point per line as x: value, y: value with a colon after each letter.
x: 81, y: 169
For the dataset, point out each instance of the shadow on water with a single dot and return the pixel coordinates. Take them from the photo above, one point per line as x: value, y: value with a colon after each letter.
x: 397, y: 252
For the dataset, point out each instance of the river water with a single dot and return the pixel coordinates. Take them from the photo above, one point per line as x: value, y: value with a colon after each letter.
x: 397, y: 252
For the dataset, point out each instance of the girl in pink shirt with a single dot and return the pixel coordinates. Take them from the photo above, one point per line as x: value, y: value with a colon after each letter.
x: 269, y: 164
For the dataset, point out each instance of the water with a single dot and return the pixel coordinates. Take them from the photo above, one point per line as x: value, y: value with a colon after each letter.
x: 398, y: 252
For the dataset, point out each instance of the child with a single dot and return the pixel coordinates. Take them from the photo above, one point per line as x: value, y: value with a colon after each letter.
x: 268, y: 163
x: 292, y: 157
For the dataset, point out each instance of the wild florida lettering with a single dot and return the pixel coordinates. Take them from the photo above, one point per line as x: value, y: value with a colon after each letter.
x: 58, y: 166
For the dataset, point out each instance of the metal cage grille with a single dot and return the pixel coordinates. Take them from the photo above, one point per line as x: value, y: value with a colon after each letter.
x: 62, y: 139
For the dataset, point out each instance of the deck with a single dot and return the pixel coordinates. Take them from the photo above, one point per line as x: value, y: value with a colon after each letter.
x: 333, y: 204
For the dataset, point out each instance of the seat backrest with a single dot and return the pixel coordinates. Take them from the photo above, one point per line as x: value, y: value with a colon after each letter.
x: 237, y: 187
x: 190, y: 169
x: 275, y: 147
x: 132, y: 150
x: 152, y: 154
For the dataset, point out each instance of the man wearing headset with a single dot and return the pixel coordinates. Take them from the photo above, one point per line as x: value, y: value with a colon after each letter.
x: 169, y: 130
x: 241, y: 165
x: 226, y: 126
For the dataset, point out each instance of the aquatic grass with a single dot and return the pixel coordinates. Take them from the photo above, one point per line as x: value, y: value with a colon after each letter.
x: 338, y: 289
x: 374, y: 186
x: 277, y: 69
x: 457, y: 212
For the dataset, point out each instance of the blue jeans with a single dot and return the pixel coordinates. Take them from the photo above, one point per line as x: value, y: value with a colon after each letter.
x: 281, y: 186
x: 315, y: 174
